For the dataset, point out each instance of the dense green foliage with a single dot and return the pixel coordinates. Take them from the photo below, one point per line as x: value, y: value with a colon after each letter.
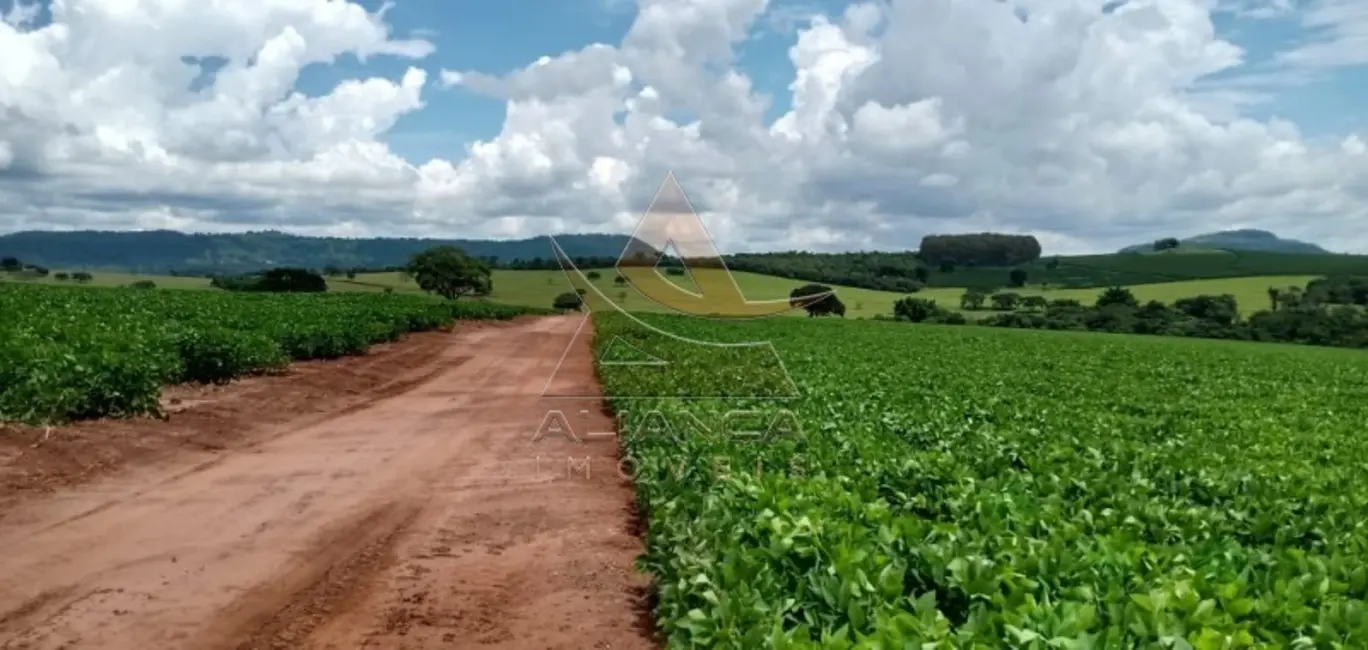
x: 70, y: 353
x: 1338, y: 290
x: 953, y: 487
x: 281, y: 280
x: 568, y: 301
x: 1300, y: 316
x: 448, y: 272
x: 870, y: 270
x: 924, y: 310
x: 981, y: 249
x: 906, y: 272
x: 817, y: 300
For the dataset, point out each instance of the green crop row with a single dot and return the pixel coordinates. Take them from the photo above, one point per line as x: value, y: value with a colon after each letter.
x: 940, y: 487
x: 68, y: 352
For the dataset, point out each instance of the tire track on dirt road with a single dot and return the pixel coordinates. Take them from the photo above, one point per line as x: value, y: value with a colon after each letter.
x: 422, y: 520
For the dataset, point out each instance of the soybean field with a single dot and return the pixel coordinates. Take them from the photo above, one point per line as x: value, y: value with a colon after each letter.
x: 943, y: 487
x: 69, y: 353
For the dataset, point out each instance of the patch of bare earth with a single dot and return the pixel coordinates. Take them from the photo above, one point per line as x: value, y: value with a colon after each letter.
x: 396, y: 500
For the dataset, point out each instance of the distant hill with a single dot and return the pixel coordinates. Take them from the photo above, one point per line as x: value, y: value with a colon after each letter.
x: 162, y: 251
x: 1239, y: 240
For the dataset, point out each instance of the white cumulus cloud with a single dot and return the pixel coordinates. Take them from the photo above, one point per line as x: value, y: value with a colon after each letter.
x: 1082, y: 121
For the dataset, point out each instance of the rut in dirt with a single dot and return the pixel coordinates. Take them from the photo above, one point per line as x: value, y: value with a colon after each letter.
x: 433, y: 517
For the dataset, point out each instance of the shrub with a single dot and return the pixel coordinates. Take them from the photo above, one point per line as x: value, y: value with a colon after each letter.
x: 915, y: 310
x: 291, y: 280
x: 1117, y: 296
x: 1005, y: 300
x: 216, y: 354
x: 568, y: 301
x: 972, y: 299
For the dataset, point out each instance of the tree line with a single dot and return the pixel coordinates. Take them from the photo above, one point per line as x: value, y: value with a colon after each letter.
x: 1327, y: 312
x: 442, y: 270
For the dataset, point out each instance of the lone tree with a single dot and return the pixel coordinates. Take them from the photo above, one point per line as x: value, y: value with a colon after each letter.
x: 1017, y: 277
x: 448, y: 272
x: 593, y: 275
x: 973, y: 299
x: 568, y: 301
x: 915, y: 310
x: 10, y: 264
x: 622, y: 279
x: 817, y: 300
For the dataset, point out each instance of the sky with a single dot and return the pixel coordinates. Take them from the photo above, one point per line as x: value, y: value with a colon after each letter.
x: 820, y: 125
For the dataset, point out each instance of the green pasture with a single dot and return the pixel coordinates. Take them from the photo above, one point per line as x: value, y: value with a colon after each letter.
x: 539, y: 289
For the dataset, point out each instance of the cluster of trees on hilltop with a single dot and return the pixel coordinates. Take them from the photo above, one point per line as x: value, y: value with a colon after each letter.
x: 982, y: 249
x: 1328, y: 312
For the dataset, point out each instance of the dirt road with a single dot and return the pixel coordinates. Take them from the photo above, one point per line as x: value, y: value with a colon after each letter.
x: 430, y: 517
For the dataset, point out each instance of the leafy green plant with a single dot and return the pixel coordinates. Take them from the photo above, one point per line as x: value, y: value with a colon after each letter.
x: 987, y: 488
x: 70, y: 353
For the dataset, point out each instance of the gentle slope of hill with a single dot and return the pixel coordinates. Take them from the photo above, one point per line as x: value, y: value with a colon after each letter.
x: 1240, y: 240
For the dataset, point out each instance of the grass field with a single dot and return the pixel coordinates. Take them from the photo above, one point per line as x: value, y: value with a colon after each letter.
x: 949, y: 487
x: 539, y: 289
x: 1250, y: 293
x: 114, y: 279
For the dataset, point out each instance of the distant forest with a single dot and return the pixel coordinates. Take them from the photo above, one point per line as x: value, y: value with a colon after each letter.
x: 166, y: 252
x: 984, y: 260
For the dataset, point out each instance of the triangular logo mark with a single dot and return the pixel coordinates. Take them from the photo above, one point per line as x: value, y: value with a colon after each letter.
x: 621, y: 353
x: 675, y: 269
x: 671, y: 224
